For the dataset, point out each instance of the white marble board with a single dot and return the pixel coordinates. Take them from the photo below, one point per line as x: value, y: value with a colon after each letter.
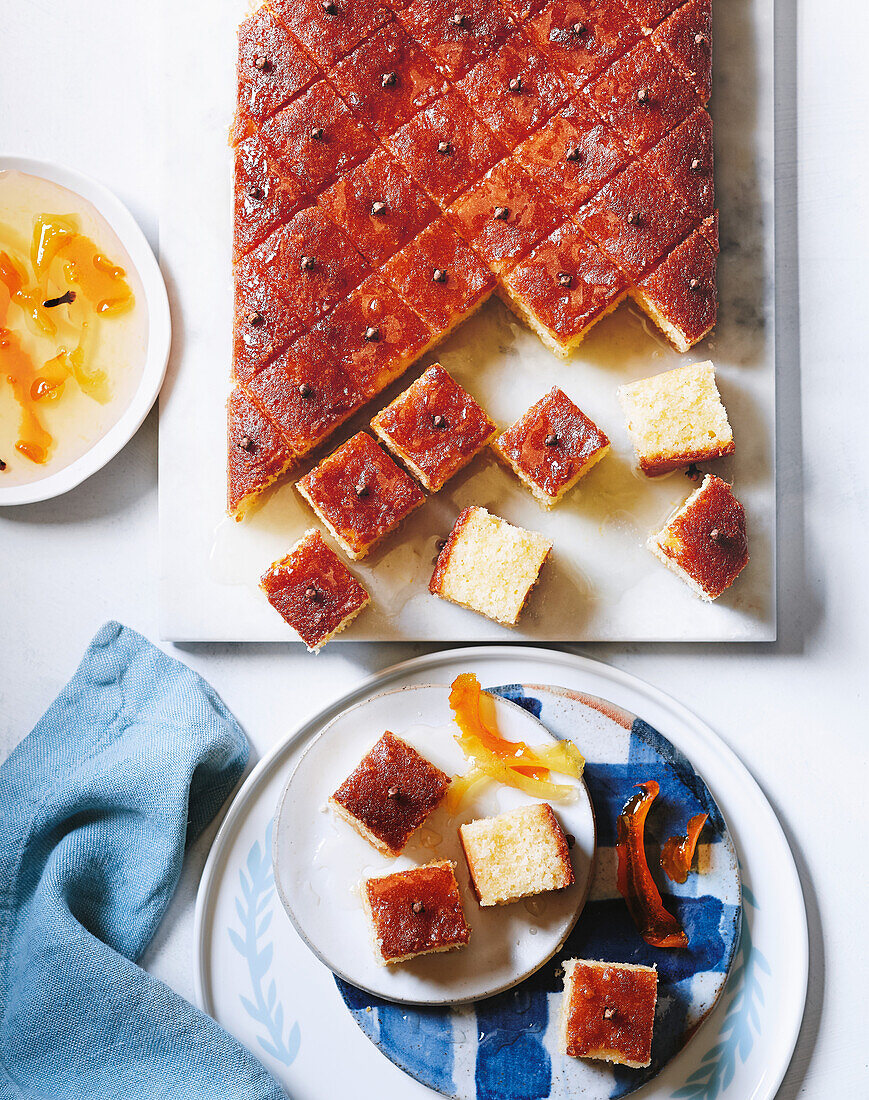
x: 601, y: 583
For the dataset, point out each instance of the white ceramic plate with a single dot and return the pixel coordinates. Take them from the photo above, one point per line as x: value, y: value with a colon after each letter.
x: 319, y: 860
x: 258, y: 979
x: 159, y: 331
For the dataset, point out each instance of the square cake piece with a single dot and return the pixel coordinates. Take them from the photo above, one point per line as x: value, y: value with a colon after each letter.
x: 681, y: 293
x: 676, y: 418
x: 415, y: 912
x: 608, y: 1011
x: 440, y: 277
x: 516, y: 854
x: 328, y: 31
x: 434, y: 428
x: 686, y: 39
x: 264, y: 197
x: 489, y: 566
x: 256, y: 455
x: 582, y: 37
x: 684, y: 160
x: 563, y: 288
x: 704, y: 541
x: 457, y: 37
x: 390, y: 794
x: 313, y: 591
x: 360, y: 494
x: 552, y: 446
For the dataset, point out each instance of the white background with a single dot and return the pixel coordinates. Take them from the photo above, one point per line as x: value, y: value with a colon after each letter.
x: 76, y: 86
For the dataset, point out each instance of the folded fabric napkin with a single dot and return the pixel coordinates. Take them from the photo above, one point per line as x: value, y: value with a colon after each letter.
x: 126, y: 768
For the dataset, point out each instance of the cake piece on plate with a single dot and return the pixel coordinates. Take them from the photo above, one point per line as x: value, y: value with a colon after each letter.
x: 676, y: 418
x: 489, y: 566
x: 389, y: 795
x: 552, y: 446
x: 313, y: 591
x: 564, y: 287
x: 516, y: 854
x: 704, y: 541
x: 434, y: 428
x: 360, y: 494
x: 681, y: 294
x: 415, y: 912
x: 608, y: 1011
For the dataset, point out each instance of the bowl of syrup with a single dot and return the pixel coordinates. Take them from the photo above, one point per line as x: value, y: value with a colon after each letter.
x: 85, y: 329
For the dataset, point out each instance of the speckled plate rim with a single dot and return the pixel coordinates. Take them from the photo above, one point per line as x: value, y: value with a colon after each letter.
x: 289, y: 908
x: 629, y: 692
x: 125, y: 226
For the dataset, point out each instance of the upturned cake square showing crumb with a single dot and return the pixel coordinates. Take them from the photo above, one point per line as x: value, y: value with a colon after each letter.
x: 360, y: 494
x: 552, y: 446
x: 435, y: 428
x: 389, y: 795
x: 313, y: 591
x: 676, y: 418
x: 489, y: 566
x: 516, y: 854
x: 704, y: 541
x: 608, y: 1011
x: 416, y: 912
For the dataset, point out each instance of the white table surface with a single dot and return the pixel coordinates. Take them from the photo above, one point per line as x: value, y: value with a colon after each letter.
x: 75, y: 86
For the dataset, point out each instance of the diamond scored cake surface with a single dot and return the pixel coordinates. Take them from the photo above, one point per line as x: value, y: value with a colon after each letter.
x: 397, y: 163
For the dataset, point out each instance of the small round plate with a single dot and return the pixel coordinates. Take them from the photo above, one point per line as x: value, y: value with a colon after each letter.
x: 159, y: 330
x: 319, y: 861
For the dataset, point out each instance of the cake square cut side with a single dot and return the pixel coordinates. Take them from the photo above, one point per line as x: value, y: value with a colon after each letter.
x: 676, y: 418
x: 489, y: 566
x: 313, y: 591
x: 415, y: 912
x: 608, y: 1011
x: 552, y: 446
x: 434, y: 428
x: 360, y: 494
x: 516, y: 855
x: 705, y: 541
x: 390, y: 794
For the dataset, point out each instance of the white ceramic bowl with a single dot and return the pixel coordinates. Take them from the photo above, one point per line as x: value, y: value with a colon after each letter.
x: 159, y: 331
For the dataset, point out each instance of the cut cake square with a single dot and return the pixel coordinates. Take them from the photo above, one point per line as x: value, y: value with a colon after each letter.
x: 676, y: 418
x: 608, y: 1011
x: 684, y: 160
x: 328, y: 31
x: 504, y: 215
x: 317, y: 138
x: 390, y: 794
x: 564, y: 287
x: 440, y: 277
x: 387, y: 79
x: 489, y: 566
x: 704, y: 541
x: 360, y: 494
x: 642, y: 96
x: 457, y: 37
x: 378, y: 206
x: 313, y: 591
x: 516, y: 855
x: 686, y: 38
x: 552, y: 446
x: 264, y: 197
x: 514, y: 90
x: 415, y: 912
x: 649, y: 13
x: 572, y: 156
x: 582, y: 37
x: 256, y: 455
x: 681, y: 294
x: 434, y: 428
x: 446, y: 148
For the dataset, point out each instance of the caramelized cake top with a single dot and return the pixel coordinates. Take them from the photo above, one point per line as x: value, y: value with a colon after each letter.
x: 392, y: 791
x: 707, y: 538
x: 552, y: 442
x: 417, y: 910
x: 612, y: 1009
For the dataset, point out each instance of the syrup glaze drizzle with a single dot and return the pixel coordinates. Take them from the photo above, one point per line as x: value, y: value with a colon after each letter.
x: 61, y: 292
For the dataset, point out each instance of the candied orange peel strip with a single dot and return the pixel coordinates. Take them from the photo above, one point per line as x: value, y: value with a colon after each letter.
x: 677, y: 853
x: 513, y: 763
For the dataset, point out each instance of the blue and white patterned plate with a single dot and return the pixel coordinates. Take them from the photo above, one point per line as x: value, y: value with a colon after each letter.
x: 257, y: 978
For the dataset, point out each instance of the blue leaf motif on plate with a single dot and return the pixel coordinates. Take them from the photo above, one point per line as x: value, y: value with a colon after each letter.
x: 253, y: 906
x: 741, y: 1023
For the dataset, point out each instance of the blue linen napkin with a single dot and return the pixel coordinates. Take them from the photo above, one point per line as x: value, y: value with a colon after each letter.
x: 127, y: 767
